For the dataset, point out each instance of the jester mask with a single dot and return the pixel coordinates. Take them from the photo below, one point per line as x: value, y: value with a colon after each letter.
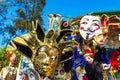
x: 89, y: 26
x: 44, y: 50
x: 104, y: 26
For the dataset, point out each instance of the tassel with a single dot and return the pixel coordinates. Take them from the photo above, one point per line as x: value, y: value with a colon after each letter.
x: 105, y: 77
x: 112, y: 74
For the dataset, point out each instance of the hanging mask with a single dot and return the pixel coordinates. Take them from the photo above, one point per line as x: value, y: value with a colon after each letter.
x: 45, y: 51
x: 101, y: 38
x: 46, y: 59
x: 89, y: 25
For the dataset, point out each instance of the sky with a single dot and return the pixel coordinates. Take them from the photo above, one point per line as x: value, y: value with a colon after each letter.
x: 75, y: 8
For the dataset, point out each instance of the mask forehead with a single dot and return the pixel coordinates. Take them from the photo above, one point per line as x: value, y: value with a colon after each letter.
x: 90, y: 19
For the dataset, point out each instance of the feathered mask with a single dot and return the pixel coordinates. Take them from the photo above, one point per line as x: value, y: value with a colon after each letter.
x: 105, y: 23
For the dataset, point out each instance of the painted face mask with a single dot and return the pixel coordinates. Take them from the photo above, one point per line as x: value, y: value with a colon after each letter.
x: 88, y: 26
x: 45, y: 51
x: 46, y: 60
x: 101, y: 38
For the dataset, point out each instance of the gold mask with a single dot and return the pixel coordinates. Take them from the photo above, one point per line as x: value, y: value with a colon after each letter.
x: 45, y: 51
x: 46, y: 60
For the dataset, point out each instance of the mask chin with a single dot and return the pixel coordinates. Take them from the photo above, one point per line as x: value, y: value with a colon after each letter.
x: 86, y: 35
x: 89, y: 36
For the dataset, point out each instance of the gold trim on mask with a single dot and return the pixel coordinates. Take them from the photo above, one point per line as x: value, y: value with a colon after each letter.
x: 44, y: 53
x: 94, y: 43
x: 21, y: 41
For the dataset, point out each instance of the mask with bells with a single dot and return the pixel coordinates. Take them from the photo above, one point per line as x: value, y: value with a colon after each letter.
x: 101, y: 38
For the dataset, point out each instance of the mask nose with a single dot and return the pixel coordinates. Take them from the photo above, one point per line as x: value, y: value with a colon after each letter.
x: 101, y: 37
x: 46, y: 60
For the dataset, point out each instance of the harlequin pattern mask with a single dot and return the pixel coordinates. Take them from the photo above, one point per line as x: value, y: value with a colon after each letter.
x: 89, y: 26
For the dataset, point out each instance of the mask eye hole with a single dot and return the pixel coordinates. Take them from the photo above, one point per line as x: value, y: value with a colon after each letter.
x: 94, y: 27
x: 54, y: 57
x: 95, y: 24
x: 104, y: 35
x: 42, y: 55
x: 85, y: 23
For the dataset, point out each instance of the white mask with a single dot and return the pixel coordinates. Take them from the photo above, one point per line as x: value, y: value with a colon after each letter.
x: 88, y: 26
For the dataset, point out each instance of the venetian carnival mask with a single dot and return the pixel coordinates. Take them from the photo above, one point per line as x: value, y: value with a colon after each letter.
x: 45, y: 51
x: 101, y: 38
x: 89, y: 25
x: 47, y: 56
x: 46, y: 59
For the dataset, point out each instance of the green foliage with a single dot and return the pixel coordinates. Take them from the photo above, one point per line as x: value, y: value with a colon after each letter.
x: 6, y: 22
x: 10, y: 29
x: 17, y: 58
x: 20, y: 24
x: 21, y: 14
x: 3, y: 61
x: 28, y: 11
